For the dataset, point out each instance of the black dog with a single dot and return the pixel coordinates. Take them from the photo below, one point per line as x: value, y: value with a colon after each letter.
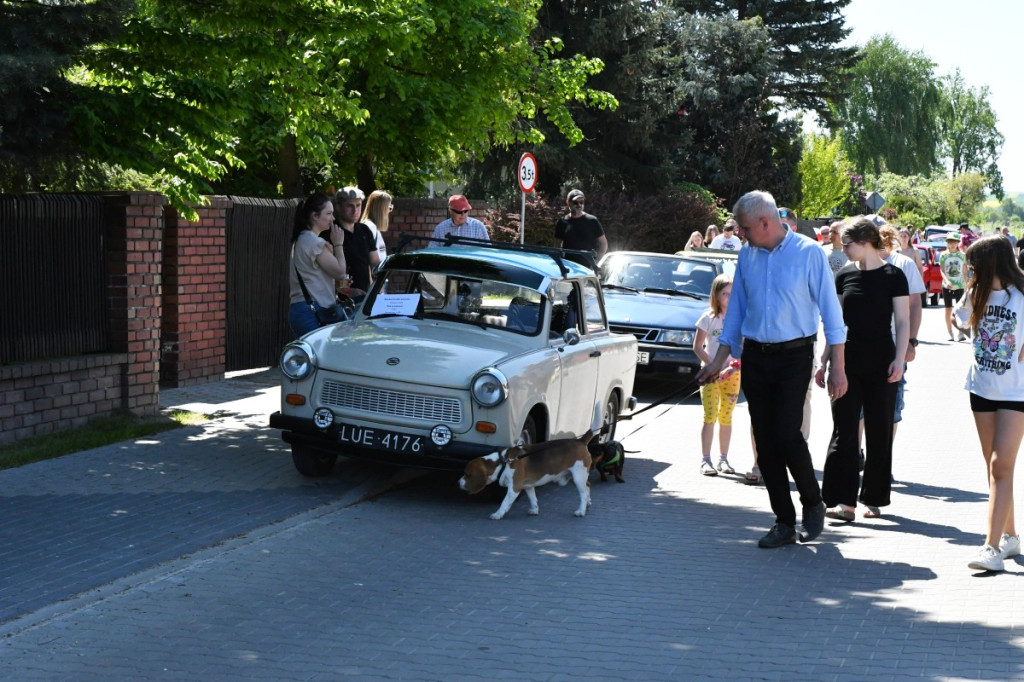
x: 608, y: 458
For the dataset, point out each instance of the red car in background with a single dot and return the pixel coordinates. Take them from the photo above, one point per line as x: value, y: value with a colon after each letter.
x: 930, y: 252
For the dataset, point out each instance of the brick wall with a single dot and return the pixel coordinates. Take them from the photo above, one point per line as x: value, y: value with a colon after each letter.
x: 195, y: 296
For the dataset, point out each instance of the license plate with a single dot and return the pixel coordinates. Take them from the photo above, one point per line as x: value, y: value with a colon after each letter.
x: 643, y: 357
x: 379, y: 439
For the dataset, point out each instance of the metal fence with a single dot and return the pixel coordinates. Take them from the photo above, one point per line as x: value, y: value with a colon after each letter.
x: 53, y: 290
x: 258, y: 256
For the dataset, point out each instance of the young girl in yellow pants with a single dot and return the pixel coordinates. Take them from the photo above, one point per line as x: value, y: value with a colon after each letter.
x: 719, y: 397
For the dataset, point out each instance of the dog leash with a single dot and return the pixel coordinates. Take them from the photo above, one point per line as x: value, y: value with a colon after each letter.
x: 662, y: 401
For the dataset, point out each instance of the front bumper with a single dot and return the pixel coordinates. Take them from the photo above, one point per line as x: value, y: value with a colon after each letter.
x: 667, y: 360
x: 303, y: 432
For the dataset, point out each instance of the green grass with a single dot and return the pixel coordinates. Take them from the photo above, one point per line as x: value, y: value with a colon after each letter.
x: 101, y: 431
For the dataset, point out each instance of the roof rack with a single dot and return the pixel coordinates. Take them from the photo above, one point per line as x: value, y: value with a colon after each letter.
x: 559, y: 255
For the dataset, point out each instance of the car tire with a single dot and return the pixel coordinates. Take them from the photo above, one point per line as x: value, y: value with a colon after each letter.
x: 311, y: 462
x: 529, y: 432
x: 608, y: 420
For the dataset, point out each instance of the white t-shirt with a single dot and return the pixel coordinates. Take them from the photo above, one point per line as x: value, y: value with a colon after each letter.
x: 722, y: 241
x: 996, y: 373
x: 836, y: 258
x: 915, y: 283
x: 713, y: 327
x: 382, y: 250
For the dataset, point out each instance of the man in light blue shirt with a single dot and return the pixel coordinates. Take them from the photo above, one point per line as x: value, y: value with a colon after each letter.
x: 783, y: 288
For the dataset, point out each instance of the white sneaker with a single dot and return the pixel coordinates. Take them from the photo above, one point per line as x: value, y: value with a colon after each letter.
x: 987, y: 559
x: 707, y: 468
x: 724, y: 467
x: 963, y: 337
x: 1009, y: 546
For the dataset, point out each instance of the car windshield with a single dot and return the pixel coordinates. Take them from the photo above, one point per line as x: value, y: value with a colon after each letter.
x: 455, y: 298
x: 658, y: 274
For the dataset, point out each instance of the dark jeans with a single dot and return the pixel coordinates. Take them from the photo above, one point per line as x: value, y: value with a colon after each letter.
x: 868, y: 388
x: 775, y: 385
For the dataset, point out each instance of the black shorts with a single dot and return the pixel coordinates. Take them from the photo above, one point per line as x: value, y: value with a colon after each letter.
x: 949, y: 296
x: 979, y: 404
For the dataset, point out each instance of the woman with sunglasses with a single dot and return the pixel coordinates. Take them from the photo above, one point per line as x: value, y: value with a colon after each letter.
x: 872, y: 293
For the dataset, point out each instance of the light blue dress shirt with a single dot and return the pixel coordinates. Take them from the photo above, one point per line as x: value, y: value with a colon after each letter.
x: 781, y: 295
x: 472, y: 228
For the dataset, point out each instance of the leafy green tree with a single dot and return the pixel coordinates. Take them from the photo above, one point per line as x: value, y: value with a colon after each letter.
x: 970, y: 137
x: 805, y: 37
x: 963, y: 195
x: 890, y: 120
x: 824, y: 176
x: 923, y: 195
x: 39, y: 42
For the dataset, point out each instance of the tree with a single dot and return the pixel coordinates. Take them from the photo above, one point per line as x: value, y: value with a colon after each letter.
x: 805, y: 38
x: 824, y: 176
x: 278, y: 95
x: 970, y: 139
x: 963, y: 195
x: 38, y: 43
x: 890, y: 120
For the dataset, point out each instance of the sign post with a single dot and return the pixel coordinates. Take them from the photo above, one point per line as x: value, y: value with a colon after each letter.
x: 527, y: 175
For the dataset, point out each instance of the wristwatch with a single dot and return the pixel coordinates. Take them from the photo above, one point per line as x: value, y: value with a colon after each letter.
x: 913, y: 342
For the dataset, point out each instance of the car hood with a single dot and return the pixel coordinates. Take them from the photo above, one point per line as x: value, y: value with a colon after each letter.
x: 653, y: 310
x: 417, y: 351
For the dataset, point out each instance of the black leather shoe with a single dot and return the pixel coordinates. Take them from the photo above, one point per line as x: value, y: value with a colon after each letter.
x: 814, y: 522
x: 779, y: 535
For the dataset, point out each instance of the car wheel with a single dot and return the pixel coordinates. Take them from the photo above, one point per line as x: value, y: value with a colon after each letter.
x: 611, y: 414
x: 529, y: 433
x: 312, y: 463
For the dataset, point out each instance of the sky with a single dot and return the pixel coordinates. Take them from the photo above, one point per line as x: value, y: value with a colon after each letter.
x: 980, y: 37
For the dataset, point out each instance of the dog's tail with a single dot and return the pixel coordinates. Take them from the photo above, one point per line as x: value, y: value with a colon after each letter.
x: 587, y: 437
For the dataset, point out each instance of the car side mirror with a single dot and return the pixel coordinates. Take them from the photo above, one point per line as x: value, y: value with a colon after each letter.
x: 571, y: 336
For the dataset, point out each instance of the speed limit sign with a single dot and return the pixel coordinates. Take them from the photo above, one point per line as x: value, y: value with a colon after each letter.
x: 527, y: 173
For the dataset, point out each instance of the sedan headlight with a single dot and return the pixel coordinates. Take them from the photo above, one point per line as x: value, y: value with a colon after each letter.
x: 490, y: 387
x: 298, y: 360
x: 680, y: 337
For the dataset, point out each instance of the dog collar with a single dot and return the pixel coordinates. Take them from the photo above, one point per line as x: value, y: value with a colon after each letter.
x: 613, y: 460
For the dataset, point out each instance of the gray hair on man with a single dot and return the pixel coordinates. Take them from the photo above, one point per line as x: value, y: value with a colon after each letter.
x: 756, y: 204
x: 349, y: 194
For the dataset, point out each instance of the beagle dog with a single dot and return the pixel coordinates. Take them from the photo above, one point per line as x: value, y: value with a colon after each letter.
x: 525, y: 467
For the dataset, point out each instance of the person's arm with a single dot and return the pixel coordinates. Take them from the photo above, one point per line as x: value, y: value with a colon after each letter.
x: 835, y: 327
x: 602, y: 246
x: 698, y: 345
x: 914, y: 326
x: 332, y: 257
x: 901, y: 311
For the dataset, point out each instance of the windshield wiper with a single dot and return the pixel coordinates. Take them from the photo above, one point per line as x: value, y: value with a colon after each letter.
x: 672, y: 292
x: 619, y: 286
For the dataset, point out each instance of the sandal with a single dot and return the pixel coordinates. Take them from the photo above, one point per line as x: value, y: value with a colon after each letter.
x: 872, y: 512
x: 753, y: 476
x: 841, y: 513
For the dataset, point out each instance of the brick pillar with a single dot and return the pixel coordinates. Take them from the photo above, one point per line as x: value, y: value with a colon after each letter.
x: 421, y: 216
x: 133, y: 259
x: 195, y: 296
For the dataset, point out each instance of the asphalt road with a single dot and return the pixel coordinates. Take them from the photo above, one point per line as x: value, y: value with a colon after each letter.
x: 202, y: 554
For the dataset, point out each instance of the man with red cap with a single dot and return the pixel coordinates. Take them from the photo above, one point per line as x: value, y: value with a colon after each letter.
x: 459, y: 224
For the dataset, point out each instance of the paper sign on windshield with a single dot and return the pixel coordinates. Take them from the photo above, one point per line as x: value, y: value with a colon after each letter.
x: 395, y: 304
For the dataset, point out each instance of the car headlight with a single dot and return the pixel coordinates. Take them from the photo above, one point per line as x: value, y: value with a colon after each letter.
x: 680, y: 337
x: 490, y: 387
x: 298, y: 360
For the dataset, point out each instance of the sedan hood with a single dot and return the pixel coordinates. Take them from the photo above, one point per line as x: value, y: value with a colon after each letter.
x: 653, y: 310
x: 416, y: 351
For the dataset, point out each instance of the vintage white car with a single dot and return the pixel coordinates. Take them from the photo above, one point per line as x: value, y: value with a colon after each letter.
x: 456, y: 352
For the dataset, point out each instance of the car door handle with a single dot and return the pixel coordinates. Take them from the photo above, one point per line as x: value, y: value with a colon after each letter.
x: 595, y: 354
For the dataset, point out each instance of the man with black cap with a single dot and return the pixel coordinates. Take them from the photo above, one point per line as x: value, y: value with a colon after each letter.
x: 728, y: 239
x: 580, y: 230
x: 459, y: 224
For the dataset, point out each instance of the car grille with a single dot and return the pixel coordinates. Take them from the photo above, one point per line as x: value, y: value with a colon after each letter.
x: 394, y: 403
x: 641, y: 333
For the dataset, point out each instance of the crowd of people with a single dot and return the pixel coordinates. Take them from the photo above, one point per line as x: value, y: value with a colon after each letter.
x: 863, y: 284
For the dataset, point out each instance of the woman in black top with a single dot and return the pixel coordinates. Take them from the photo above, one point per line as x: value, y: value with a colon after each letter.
x: 872, y: 292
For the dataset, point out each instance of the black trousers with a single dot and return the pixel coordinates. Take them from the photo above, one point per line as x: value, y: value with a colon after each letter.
x: 775, y: 384
x: 869, y: 387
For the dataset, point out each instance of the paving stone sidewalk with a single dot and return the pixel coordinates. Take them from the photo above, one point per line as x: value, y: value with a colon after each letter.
x: 661, y: 581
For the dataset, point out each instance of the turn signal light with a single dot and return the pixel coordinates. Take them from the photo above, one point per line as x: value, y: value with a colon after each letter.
x: 486, y: 427
x: 295, y: 399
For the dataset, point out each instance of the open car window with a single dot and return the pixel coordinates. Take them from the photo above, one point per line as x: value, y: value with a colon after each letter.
x: 445, y: 296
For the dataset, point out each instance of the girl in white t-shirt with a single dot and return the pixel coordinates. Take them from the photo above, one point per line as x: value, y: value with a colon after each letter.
x: 719, y: 397
x: 993, y: 310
